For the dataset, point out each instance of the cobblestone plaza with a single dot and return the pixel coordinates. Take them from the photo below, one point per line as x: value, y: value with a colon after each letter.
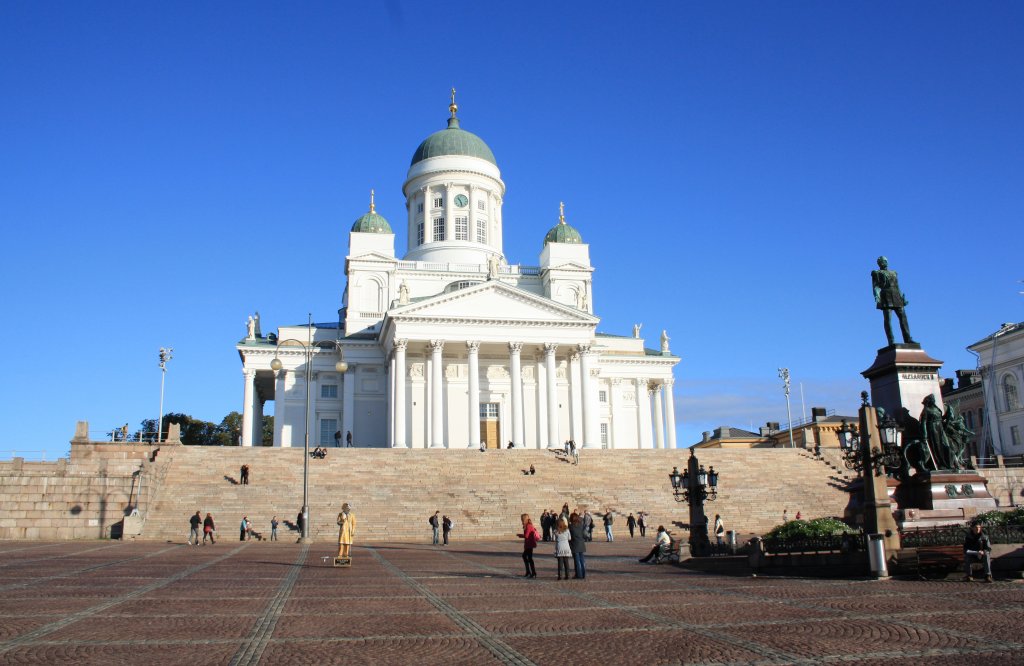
x: 279, y: 603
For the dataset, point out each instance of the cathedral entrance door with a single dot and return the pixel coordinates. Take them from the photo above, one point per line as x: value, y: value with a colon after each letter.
x: 490, y: 433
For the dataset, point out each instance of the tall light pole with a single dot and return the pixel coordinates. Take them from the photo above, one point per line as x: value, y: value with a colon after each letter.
x: 784, y: 376
x: 341, y: 366
x: 165, y: 355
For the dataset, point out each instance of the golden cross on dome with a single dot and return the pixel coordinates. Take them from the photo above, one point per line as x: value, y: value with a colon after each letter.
x: 372, y: 207
x: 561, y: 212
x: 453, y: 107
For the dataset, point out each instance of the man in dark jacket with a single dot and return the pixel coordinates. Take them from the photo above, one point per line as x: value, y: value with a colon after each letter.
x: 977, y: 548
x: 435, y: 524
x: 193, y: 534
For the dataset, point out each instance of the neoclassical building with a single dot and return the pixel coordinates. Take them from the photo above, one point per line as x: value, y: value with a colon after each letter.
x: 453, y: 345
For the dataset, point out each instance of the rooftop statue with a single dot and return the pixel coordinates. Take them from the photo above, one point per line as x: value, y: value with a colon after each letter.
x: 664, y: 342
x: 888, y: 298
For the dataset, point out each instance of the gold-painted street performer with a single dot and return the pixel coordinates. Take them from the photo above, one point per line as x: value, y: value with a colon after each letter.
x: 888, y: 298
x: 346, y: 533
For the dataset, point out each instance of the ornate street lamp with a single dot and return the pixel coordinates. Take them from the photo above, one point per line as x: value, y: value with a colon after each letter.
x: 858, y: 456
x: 341, y: 366
x: 695, y: 486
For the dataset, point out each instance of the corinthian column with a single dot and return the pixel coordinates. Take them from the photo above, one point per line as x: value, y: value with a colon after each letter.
x: 516, y: 371
x: 643, y: 411
x: 474, y: 393
x: 670, y: 414
x: 400, y: 441
x: 659, y: 420
x: 552, y: 395
x: 437, y: 395
x: 590, y: 437
x: 247, y: 406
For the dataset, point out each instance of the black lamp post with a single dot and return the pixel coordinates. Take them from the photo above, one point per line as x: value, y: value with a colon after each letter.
x: 696, y: 486
x: 856, y: 450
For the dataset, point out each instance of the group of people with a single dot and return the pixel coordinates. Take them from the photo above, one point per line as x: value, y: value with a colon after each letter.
x: 637, y: 521
x: 208, y: 529
x: 440, y: 524
x: 570, y: 537
x: 572, y: 451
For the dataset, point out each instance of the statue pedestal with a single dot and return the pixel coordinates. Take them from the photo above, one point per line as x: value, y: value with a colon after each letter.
x: 946, y: 498
x: 901, y: 377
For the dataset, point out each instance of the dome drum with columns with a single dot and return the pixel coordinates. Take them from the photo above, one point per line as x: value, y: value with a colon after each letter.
x: 452, y: 346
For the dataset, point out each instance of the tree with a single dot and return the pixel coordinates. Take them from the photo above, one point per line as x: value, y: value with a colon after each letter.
x: 196, y: 432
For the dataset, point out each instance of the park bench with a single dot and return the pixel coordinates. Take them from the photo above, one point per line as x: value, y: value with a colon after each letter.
x: 668, y: 553
x: 937, y: 562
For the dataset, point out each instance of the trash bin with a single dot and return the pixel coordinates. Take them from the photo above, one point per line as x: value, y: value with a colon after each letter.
x: 876, y: 555
x: 730, y: 538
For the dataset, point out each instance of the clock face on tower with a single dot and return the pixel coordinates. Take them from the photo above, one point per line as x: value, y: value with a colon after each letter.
x: 461, y: 200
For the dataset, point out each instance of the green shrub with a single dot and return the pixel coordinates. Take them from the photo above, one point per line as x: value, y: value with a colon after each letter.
x: 810, y: 529
x: 999, y: 518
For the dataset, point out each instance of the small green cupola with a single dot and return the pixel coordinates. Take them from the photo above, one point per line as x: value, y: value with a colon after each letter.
x: 562, y: 232
x: 372, y: 223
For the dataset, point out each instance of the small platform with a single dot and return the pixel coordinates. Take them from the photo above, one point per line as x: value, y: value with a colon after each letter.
x: 343, y: 561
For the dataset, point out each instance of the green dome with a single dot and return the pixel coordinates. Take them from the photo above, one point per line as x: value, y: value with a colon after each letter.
x: 453, y: 141
x: 563, y: 233
x: 372, y: 223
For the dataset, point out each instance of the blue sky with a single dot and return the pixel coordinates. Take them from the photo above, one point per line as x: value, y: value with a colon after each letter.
x: 165, y: 170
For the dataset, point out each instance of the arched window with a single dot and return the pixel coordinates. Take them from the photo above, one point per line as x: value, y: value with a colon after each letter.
x: 1010, y: 393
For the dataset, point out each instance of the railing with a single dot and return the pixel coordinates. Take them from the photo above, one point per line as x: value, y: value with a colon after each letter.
x: 981, y: 463
x: 116, y: 435
x: 826, y: 544
x: 508, y: 269
x: 954, y: 536
x: 808, y: 419
x: 39, y: 455
x: 1013, y: 461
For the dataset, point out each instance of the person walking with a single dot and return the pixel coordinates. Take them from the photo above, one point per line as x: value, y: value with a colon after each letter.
x: 631, y: 525
x: 641, y: 522
x: 348, y: 439
x: 208, y: 529
x: 446, y: 528
x: 578, y: 546
x: 608, y: 520
x: 435, y: 524
x: 243, y: 529
x: 719, y: 529
x: 193, y: 533
x: 273, y: 528
x: 299, y: 522
x: 562, y: 550
x: 530, y: 538
x: 545, y: 526
x: 785, y: 515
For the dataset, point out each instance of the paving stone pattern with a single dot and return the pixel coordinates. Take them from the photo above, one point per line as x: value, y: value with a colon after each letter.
x: 412, y: 603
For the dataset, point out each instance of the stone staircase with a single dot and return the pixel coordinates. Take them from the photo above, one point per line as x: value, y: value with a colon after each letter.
x: 392, y: 492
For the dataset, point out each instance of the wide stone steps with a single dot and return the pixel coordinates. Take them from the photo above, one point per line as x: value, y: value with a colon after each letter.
x: 392, y: 492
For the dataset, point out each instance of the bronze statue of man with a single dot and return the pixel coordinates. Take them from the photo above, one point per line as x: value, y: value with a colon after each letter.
x: 889, y: 298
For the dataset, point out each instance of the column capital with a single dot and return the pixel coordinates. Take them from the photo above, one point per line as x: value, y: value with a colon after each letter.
x: 669, y: 382
x: 473, y: 346
x: 595, y: 372
x: 248, y: 372
x: 641, y: 381
x: 616, y: 381
x: 401, y: 344
x: 550, y: 348
x: 585, y: 348
x: 515, y: 347
x: 437, y: 345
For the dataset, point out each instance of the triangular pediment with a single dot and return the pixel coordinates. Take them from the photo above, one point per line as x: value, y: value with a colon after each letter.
x: 570, y: 266
x: 371, y: 256
x: 494, y: 301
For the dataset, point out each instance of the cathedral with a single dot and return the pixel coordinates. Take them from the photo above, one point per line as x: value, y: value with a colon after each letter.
x: 453, y: 345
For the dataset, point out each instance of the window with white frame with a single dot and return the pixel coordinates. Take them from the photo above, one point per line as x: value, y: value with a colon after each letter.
x: 438, y: 228
x: 462, y: 228
x: 419, y: 207
x: 327, y: 429
x: 481, y: 231
x: 328, y: 391
x: 602, y: 396
x: 438, y: 202
x: 1010, y: 393
x: 488, y: 410
x: 481, y: 204
x: 419, y: 233
x: 604, y: 435
x: 1015, y: 435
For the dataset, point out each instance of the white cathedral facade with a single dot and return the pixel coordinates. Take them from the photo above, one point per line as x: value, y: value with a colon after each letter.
x: 454, y: 346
